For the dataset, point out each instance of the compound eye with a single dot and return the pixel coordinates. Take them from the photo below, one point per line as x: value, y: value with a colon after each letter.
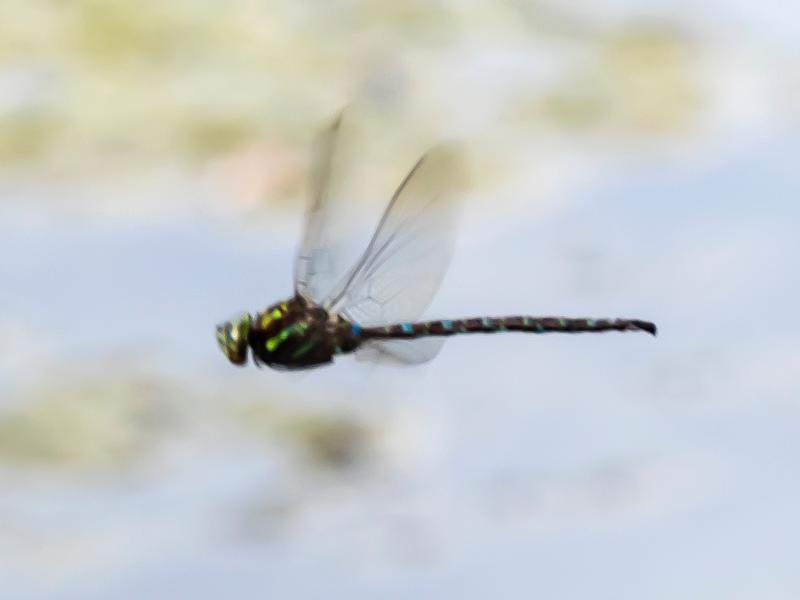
x: 232, y: 342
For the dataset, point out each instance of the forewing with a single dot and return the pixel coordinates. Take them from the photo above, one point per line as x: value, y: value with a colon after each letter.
x: 317, y: 269
x: 405, y: 261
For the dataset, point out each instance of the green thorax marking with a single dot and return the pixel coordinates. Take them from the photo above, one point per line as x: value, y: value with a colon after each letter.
x: 276, y: 340
x: 274, y: 315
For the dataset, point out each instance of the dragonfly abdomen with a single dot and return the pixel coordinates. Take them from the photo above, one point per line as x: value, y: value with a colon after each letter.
x: 445, y: 327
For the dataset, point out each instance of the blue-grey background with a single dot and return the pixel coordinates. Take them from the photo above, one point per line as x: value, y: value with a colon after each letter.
x: 630, y: 159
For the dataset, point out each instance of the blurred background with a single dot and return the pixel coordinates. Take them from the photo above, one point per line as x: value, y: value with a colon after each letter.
x: 630, y: 158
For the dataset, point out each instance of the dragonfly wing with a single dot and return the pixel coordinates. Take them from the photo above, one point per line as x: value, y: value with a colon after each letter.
x: 317, y: 265
x: 405, y: 261
x: 402, y: 352
x: 398, y: 274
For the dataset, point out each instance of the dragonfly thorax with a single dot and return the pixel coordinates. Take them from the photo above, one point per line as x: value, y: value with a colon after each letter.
x: 296, y: 333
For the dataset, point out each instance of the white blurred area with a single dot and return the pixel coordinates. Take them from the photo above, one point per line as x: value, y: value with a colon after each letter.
x: 628, y: 158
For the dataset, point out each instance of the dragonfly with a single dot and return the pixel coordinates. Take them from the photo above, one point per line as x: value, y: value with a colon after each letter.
x: 373, y: 308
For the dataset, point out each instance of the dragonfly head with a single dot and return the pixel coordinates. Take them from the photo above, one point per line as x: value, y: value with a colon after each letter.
x: 232, y: 338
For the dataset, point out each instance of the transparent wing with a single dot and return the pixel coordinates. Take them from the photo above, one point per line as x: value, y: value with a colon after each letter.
x: 316, y: 269
x: 402, y: 352
x: 405, y: 261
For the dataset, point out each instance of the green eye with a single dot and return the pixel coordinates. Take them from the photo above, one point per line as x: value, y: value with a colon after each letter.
x: 232, y: 339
